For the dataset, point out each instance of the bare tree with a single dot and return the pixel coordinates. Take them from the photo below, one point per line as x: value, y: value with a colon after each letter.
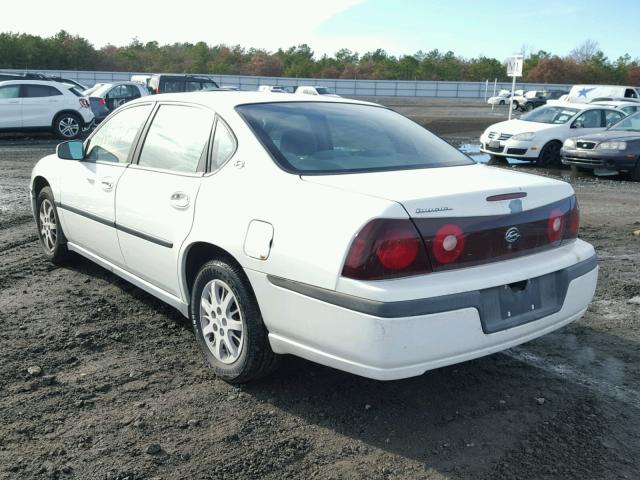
x: 585, y: 52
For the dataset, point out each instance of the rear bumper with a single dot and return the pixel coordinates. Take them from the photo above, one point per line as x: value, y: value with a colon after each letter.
x: 403, y: 338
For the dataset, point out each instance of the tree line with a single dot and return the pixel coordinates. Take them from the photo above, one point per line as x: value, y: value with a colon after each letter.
x: 64, y: 51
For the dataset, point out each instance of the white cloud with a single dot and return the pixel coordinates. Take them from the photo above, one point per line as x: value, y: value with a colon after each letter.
x: 260, y: 24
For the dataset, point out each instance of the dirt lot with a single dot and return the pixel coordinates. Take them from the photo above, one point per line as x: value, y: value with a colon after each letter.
x: 123, y: 394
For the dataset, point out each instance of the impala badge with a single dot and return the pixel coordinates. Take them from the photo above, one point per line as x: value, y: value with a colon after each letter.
x: 512, y: 235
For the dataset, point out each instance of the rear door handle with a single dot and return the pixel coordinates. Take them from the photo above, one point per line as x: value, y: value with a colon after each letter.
x: 107, y: 184
x: 179, y: 200
x: 13, y: 101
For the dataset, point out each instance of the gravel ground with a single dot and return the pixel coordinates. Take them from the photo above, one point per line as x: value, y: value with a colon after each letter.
x: 99, y: 380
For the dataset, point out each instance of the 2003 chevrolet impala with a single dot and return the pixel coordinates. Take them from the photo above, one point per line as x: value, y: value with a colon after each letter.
x: 331, y: 229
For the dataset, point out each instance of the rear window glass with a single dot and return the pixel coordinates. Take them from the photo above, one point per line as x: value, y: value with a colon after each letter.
x: 318, y: 137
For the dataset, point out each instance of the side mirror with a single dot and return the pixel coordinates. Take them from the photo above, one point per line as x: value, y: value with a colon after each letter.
x: 577, y: 124
x: 70, y: 150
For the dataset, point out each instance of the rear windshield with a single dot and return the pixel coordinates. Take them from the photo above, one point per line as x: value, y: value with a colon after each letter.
x: 325, y: 138
x: 555, y: 115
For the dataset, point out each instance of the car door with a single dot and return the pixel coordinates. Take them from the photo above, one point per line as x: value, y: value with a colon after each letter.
x: 40, y: 103
x: 88, y: 187
x: 156, y: 195
x: 10, y: 107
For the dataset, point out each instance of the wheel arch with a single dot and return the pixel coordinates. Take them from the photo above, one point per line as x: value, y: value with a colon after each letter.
x: 197, y: 254
x: 67, y: 111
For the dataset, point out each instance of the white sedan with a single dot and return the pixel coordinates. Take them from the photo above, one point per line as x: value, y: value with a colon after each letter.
x: 538, y: 135
x: 327, y: 228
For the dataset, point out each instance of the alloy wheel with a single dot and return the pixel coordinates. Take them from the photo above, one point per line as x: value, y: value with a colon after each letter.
x: 48, y: 226
x: 221, y: 321
x: 68, y: 126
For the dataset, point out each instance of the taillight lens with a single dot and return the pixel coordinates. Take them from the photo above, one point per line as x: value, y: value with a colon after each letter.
x: 386, y: 248
x: 448, y: 243
x: 101, y: 101
x: 84, y: 102
x: 573, y: 224
x: 555, y: 225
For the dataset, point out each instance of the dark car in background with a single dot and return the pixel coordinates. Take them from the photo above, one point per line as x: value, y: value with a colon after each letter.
x: 614, y: 151
x: 163, y: 83
x: 106, y: 97
x: 540, y: 98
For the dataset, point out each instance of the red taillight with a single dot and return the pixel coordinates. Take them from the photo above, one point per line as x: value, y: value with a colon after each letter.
x: 398, y: 250
x: 555, y: 225
x: 573, y: 225
x: 101, y: 101
x: 386, y: 248
x: 448, y: 243
x: 84, y: 102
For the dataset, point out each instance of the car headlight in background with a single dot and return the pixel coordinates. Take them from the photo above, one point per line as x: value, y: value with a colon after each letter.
x: 612, y: 146
x: 523, y: 137
x: 569, y: 143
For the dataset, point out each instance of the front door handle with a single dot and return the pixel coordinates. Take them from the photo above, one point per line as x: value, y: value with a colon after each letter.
x: 13, y: 101
x: 107, y: 184
x: 179, y: 200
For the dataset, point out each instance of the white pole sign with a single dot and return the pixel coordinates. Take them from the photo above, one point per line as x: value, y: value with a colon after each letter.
x: 514, y: 69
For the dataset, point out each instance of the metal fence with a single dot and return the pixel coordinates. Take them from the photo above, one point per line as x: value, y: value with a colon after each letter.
x: 347, y: 87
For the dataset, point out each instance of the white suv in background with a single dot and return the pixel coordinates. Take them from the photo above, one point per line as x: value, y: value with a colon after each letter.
x: 43, y: 105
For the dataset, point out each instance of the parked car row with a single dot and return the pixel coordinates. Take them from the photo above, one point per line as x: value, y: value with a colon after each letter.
x: 602, y: 136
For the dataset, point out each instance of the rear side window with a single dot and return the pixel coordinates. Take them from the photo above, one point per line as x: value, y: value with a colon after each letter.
x: 612, y: 117
x: 169, y: 86
x: 113, y: 141
x: 10, y: 91
x: 33, y: 91
x: 177, y: 139
x: 223, y: 146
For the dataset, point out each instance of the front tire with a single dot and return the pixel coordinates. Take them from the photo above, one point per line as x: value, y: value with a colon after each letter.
x: 528, y: 107
x: 550, y: 155
x: 52, y: 239
x: 228, y: 324
x: 502, y: 102
x: 67, y: 126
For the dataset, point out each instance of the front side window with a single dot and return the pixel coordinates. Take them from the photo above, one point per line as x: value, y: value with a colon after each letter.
x: 112, y: 141
x: 589, y: 119
x: 318, y: 137
x: 35, y: 91
x: 10, y: 91
x: 193, y: 86
x: 177, y: 139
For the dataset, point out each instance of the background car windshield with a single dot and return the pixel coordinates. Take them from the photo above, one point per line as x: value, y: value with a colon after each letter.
x: 629, y: 124
x: 318, y: 137
x: 550, y: 115
x: 324, y: 91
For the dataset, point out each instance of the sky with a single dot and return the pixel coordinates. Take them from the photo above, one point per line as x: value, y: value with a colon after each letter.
x: 493, y: 28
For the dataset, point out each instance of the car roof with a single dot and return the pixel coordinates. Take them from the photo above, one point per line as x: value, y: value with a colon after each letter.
x: 616, y: 103
x: 229, y: 99
x: 33, y: 82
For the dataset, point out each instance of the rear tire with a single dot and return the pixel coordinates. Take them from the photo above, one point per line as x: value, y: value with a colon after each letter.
x: 550, y: 155
x: 52, y: 239
x: 635, y: 173
x: 67, y: 126
x: 228, y: 324
x: 528, y: 107
x: 501, y: 102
